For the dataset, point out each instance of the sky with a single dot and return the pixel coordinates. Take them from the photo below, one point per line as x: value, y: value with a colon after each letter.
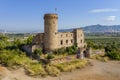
x: 27, y: 15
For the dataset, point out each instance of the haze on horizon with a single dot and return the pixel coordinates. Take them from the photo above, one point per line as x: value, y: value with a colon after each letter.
x: 26, y: 15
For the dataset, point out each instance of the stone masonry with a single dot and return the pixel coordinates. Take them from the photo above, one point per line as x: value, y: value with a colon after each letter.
x: 51, y: 39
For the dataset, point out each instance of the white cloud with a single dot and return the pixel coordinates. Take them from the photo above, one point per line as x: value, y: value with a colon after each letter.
x: 103, y: 10
x: 111, y: 18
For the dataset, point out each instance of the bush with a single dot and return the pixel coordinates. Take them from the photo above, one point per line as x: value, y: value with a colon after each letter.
x: 69, y: 66
x: 100, y: 58
x: 113, y: 55
x: 59, y: 51
x: 50, y: 56
x: 52, y: 70
x: 69, y: 50
x: 14, y: 57
x: 38, y: 52
x: 35, y: 69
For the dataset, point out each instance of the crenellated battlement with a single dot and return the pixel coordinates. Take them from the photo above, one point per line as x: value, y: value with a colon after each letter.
x: 50, y: 16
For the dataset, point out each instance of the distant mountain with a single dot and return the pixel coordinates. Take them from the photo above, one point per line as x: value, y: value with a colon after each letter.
x: 101, y: 29
x: 97, y: 29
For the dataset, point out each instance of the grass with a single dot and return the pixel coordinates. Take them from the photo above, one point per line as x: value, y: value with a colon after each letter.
x: 69, y: 66
x: 52, y: 70
x: 35, y: 69
x: 100, y: 58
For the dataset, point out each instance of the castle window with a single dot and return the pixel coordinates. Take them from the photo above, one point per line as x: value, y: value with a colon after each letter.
x: 81, y: 35
x: 71, y: 35
x: 81, y: 41
x: 61, y: 35
x: 61, y: 42
x: 66, y: 35
x: 71, y: 41
x: 66, y: 41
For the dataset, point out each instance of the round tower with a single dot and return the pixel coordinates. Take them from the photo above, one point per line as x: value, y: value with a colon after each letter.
x: 50, y: 32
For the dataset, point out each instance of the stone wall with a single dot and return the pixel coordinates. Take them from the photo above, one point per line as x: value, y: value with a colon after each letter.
x: 51, y: 39
x: 38, y: 39
x: 65, y: 39
x: 50, y: 32
x: 79, y: 38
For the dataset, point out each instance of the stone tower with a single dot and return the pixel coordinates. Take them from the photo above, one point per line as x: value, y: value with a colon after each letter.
x: 50, y: 32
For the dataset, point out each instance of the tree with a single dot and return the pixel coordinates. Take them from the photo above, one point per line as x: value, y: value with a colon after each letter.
x: 38, y: 52
x: 17, y: 43
x: 29, y: 40
x: 3, y: 41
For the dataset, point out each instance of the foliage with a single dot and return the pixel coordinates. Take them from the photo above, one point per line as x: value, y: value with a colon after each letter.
x: 52, y: 70
x: 69, y: 66
x: 50, y: 56
x: 29, y: 39
x: 36, y: 69
x: 17, y: 43
x: 110, y: 44
x: 69, y: 50
x: 14, y: 57
x: 59, y: 51
x: 3, y: 41
x: 113, y: 55
x: 102, y: 42
x: 100, y: 58
x: 112, y: 51
x: 3, y: 37
x: 38, y: 51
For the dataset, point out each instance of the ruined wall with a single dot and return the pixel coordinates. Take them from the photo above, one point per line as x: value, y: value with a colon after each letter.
x: 51, y: 39
x: 38, y: 39
x: 79, y: 38
x: 65, y: 39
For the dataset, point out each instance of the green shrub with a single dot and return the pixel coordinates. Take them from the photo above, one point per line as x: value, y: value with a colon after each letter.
x: 69, y: 66
x: 50, y: 56
x: 14, y: 57
x: 35, y: 69
x: 69, y: 50
x: 52, y: 70
x: 113, y: 55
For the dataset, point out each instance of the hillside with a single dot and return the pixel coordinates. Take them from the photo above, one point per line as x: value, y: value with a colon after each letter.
x: 98, y: 29
x: 101, y: 29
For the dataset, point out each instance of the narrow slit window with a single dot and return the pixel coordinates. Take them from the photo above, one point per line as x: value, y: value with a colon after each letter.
x: 61, y: 42
x: 66, y: 41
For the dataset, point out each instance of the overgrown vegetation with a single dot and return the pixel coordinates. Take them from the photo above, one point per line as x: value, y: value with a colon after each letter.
x: 100, y: 58
x: 69, y: 66
x: 12, y: 56
x: 68, y: 50
x: 110, y: 44
x: 113, y: 51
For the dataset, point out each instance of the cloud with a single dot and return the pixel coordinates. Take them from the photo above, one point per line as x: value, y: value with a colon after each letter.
x: 110, y: 18
x: 103, y: 10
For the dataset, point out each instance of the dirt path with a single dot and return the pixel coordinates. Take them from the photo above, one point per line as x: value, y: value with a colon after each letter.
x: 98, y: 71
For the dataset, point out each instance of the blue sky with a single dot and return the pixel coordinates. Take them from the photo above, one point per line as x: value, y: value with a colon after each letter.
x: 25, y: 15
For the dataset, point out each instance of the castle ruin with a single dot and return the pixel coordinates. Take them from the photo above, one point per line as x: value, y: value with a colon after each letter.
x: 51, y: 39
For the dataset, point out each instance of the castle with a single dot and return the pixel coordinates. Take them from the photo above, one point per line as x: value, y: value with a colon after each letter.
x: 51, y: 39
